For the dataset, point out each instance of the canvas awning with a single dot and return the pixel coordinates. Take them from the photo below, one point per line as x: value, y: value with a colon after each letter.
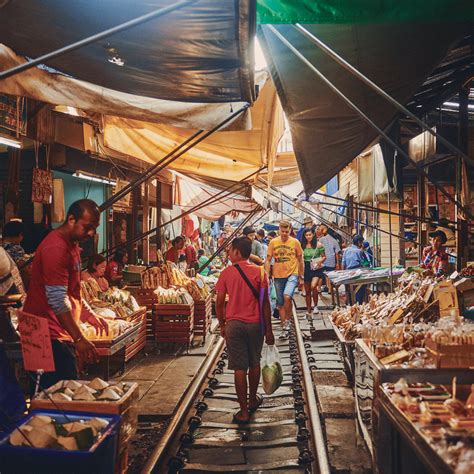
x: 326, y: 133
x: 232, y: 155
x: 200, y: 52
x: 191, y: 194
x: 67, y: 92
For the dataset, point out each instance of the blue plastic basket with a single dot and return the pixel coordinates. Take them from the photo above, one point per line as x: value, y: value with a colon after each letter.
x: 100, y: 458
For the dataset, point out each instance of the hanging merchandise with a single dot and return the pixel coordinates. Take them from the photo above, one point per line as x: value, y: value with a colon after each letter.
x: 42, y: 181
x: 37, y: 213
x: 58, y: 211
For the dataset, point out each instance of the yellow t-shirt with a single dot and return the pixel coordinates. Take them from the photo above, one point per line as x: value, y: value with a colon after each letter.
x: 285, y: 255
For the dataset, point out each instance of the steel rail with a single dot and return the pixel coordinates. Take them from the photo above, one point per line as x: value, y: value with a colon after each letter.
x: 156, y: 457
x: 170, y: 157
x: 313, y: 411
x: 368, y: 120
x: 355, y: 72
x: 93, y: 38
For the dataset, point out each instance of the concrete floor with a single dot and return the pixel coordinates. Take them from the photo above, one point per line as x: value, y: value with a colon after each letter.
x: 163, y: 378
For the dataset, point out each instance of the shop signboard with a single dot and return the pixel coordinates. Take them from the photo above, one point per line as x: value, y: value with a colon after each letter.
x: 35, y: 343
x: 13, y: 113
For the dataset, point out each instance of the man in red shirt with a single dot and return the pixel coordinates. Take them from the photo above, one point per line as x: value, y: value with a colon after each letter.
x: 240, y: 323
x: 55, y: 291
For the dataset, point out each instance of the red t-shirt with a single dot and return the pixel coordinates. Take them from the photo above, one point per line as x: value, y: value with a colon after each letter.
x: 57, y: 263
x: 173, y: 254
x: 242, y: 304
x: 191, y: 256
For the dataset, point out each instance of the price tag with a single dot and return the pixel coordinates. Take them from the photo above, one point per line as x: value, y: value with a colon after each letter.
x: 35, y: 343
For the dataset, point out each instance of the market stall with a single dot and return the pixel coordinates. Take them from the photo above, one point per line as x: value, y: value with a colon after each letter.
x: 419, y: 432
x: 180, y: 306
x: 356, y: 278
x: 416, y: 333
x: 127, y: 326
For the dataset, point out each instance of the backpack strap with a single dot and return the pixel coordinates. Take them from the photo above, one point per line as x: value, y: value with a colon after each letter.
x: 244, y: 276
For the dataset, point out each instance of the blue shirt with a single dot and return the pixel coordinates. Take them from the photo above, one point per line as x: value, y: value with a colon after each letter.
x: 353, y: 257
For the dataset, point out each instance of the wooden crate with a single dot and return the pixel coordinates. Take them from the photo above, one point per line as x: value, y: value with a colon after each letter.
x: 144, y: 297
x: 447, y: 356
x: 139, y: 341
x: 202, y: 317
x: 126, y: 407
x: 174, y: 323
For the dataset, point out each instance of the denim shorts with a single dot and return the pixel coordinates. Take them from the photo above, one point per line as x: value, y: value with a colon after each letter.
x: 285, y: 286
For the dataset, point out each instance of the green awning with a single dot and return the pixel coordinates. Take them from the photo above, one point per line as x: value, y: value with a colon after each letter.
x: 362, y: 11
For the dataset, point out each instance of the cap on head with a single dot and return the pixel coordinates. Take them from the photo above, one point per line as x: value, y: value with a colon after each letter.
x: 357, y: 239
x: 440, y: 234
x: 307, y: 221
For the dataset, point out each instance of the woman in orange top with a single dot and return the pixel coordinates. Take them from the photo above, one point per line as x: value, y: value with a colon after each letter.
x: 96, y: 269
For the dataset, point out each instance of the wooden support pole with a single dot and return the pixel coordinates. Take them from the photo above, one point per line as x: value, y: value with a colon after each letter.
x: 421, y: 202
x: 132, y: 251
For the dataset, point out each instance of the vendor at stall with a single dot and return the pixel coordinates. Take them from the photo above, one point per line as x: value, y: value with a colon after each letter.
x: 435, y: 257
x: 95, y: 269
x: 114, y: 269
x: 354, y: 258
x: 55, y: 291
x: 176, y: 249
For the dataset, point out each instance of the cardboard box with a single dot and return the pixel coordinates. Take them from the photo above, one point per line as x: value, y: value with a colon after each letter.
x: 446, y: 293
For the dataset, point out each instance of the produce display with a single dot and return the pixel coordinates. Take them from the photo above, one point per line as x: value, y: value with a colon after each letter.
x: 113, y: 303
x: 408, y: 305
x: 42, y: 431
x: 95, y: 390
x: 173, y: 296
x: 467, y: 272
x: 169, y: 277
x: 117, y: 327
x: 444, y: 418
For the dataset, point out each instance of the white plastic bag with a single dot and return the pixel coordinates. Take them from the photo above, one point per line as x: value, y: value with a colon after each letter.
x: 272, y: 373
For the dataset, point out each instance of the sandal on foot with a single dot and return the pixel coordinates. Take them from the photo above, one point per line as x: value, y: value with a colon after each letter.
x: 259, y: 402
x: 239, y: 421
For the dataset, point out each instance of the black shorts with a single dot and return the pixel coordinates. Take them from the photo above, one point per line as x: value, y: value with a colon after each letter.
x: 310, y: 274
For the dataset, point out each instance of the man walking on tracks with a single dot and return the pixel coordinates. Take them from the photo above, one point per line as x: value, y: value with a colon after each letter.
x: 288, y: 270
x: 244, y: 322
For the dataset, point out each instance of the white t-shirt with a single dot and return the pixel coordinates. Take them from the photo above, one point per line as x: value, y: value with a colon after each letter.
x: 331, y: 247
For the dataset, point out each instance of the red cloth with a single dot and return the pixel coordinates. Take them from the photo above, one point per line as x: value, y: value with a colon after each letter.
x: 242, y: 304
x: 191, y: 256
x: 57, y: 263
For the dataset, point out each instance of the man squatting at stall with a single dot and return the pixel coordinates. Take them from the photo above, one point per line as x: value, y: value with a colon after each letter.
x: 55, y: 291
x: 242, y: 325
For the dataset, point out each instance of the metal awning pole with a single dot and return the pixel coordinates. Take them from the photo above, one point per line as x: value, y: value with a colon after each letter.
x: 356, y: 109
x: 380, y: 230
x: 355, y: 72
x: 280, y: 195
x: 383, y: 211
x: 169, y: 158
x: 210, y: 200
x: 96, y: 37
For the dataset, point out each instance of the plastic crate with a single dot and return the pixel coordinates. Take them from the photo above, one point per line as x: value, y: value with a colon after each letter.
x: 101, y: 457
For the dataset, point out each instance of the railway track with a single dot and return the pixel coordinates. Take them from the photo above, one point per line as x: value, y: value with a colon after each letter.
x: 284, y: 435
